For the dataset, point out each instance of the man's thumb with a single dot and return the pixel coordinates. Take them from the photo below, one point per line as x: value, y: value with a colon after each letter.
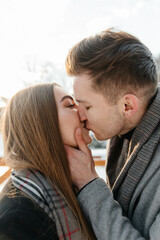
x: 80, y: 141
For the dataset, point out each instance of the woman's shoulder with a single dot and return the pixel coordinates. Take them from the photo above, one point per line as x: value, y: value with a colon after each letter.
x: 22, y: 218
x: 13, y: 199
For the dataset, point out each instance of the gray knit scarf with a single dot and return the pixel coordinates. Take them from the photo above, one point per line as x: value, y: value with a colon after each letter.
x: 128, y: 160
x: 49, y: 198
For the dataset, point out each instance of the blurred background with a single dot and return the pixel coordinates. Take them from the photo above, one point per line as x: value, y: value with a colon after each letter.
x: 36, y: 35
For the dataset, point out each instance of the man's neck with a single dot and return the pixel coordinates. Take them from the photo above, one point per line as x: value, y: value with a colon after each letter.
x: 128, y: 135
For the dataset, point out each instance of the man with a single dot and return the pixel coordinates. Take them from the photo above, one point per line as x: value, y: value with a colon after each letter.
x: 115, y: 83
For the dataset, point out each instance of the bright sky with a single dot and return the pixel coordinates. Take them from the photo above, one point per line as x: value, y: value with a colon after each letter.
x: 44, y: 30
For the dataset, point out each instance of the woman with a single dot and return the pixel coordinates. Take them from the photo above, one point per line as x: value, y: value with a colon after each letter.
x: 39, y: 201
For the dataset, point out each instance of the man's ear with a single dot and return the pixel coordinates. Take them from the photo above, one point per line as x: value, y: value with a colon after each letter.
x: 130, y: 105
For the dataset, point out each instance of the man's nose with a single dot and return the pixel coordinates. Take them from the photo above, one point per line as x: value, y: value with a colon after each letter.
x: 82, y: 115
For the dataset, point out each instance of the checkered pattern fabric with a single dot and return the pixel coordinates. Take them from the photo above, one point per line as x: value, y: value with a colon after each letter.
x: 49, y: 198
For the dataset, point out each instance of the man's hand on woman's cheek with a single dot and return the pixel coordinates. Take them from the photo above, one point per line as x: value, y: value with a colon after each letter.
x: 81, y: 162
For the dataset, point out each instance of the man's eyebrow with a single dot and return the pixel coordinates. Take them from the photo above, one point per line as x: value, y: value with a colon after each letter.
x: 65, y: 97
x: 81, y: 101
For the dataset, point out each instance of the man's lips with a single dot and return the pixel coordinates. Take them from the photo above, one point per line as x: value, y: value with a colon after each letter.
x: 84, y: 126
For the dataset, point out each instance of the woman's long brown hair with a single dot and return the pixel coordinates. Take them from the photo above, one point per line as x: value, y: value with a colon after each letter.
x: 32, y: 139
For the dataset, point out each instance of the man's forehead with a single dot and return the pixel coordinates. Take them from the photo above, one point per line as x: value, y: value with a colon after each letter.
x: 82, y: 81
x: 82, y: 90
x: 80, y: 99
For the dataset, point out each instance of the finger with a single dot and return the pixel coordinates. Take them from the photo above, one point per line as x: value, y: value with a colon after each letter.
x: 80, y: 141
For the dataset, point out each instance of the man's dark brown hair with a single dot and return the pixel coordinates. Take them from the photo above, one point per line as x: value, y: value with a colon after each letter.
x: 117, y: 63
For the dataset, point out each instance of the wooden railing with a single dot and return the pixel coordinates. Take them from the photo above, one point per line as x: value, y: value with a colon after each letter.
x: 5, y: 171
x: 99, y: 161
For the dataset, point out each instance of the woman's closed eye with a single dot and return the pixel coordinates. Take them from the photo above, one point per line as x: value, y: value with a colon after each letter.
x: 71, y: 105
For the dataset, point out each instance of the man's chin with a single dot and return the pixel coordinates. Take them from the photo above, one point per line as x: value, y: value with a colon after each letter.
x: 98, y: 138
